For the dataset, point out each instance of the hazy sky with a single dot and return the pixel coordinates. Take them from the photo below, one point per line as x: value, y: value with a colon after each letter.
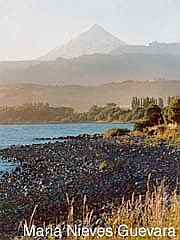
x: 30, y: 28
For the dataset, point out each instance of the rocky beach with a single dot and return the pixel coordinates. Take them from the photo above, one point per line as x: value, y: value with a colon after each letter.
x: 104, y: 170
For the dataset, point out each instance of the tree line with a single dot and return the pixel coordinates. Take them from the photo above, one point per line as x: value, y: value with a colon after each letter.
x: 43, y: 112
x: 151, y: 111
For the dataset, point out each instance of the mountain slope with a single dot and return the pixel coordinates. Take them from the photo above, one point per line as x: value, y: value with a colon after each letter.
x: 95, y: 40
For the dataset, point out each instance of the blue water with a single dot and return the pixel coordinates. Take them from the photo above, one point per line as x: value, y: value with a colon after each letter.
x: 6, y: 166
x: 26, y: 134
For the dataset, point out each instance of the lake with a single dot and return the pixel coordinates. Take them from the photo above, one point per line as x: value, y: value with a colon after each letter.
x: 26, y: 134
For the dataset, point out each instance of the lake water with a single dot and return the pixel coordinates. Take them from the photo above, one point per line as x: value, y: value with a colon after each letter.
x: 26, y: 134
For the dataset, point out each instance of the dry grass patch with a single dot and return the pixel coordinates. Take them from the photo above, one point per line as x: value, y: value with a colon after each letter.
x: 156, y: 209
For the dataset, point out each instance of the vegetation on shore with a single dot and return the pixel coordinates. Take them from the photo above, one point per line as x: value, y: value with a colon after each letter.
x: 146, y: 111
x: 44, y: 113
x: 155, y: 115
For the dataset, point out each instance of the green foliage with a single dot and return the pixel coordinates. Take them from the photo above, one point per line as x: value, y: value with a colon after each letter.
x: 40, y: 112
x: 172, y: 112
x: 152, y: 116
x: 138, y: 113
x: 166, y: 114
x: 148, y: 109
x: 43, y: 112
x: 110, y: 112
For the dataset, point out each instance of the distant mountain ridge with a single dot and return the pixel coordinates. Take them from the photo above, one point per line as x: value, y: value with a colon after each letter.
x: 96, y: 57
x: 98, y: 41
x: 95, y: 40
x: 95, y: 70
x: 154, y: 48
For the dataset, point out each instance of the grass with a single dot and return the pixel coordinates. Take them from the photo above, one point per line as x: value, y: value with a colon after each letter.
x: 151, y: 210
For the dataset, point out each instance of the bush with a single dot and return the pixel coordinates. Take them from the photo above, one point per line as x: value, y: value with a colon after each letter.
x: 116, y: 132
x: 141, y: 125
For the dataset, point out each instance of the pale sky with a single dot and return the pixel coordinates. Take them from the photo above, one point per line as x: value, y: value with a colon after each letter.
x: 30, y: 28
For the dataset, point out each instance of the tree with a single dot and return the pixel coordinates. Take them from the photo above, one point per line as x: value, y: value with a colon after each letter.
x: 161, y: 102
x: 135, y: 103
x: 172, y: 112
x: 154, y: 115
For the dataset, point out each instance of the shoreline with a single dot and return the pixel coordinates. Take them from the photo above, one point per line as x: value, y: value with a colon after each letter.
x: 99, y: 168
x: 57, y: 123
